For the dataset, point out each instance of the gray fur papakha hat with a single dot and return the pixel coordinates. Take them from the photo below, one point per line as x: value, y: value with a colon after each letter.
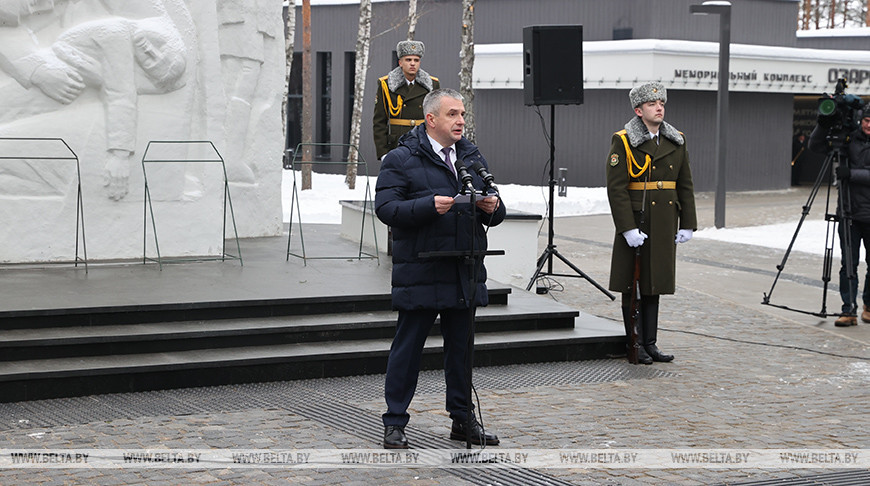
x: 647, y: 92
x: 410, y: 48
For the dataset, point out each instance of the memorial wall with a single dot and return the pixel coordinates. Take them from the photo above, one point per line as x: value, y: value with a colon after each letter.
x: 97, y: 81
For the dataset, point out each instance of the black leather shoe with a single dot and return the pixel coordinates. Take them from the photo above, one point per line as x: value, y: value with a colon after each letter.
x: 394, y: 437
x: 478, y: 435
x: 642, y: 357
x: 656, y: 354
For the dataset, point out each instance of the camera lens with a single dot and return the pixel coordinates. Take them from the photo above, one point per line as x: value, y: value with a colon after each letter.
x: 827, y: 107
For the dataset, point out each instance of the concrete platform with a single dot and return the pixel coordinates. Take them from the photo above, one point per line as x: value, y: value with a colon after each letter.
x: 135, y: 327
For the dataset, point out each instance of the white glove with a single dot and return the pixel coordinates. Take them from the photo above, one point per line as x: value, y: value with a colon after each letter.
x: 634, y: 237
x: 683, y: 236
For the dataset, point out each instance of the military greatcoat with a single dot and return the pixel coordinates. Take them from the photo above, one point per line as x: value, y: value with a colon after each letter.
x: 400, y: 103
x: 669, y: 206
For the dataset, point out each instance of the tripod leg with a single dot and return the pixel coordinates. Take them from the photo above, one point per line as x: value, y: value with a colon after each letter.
x: 826, y: 168
x: 545, y: 256
x: 848, y: 255
x: 580, y: 272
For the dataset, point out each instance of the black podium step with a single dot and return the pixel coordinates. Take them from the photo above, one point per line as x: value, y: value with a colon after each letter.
x: 206, y: 310
x: 132, y: 327
x: 76, y: 376
x: 103, y: 340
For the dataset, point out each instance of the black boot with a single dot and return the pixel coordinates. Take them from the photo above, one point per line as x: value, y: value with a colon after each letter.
x: 642, y: 356
x: 649, y: 312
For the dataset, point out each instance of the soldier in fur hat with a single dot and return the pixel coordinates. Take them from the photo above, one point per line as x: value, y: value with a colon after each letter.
x: 648, y: 170
x: 399, y: 103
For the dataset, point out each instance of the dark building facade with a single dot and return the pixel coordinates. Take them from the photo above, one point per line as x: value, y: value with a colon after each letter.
x: 626, y: 42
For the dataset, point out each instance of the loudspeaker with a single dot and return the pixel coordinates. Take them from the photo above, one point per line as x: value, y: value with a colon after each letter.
x: 553, y: 65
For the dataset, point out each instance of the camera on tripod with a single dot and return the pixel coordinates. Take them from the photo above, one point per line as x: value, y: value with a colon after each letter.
x: 838, y: 113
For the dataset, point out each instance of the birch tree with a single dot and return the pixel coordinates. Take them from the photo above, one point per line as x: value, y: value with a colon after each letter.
x: 289, y: 43
x: 466, y: 66
x: 816, y: 14
x: 412, y: 19
x: 363, y: 41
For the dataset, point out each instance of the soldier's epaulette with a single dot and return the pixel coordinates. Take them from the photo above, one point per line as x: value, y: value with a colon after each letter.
x: 383, y: 78
x: 620, y: 133
x: 434, y: 78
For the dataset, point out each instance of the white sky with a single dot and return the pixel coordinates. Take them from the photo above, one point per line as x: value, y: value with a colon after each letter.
x: 320, y: 205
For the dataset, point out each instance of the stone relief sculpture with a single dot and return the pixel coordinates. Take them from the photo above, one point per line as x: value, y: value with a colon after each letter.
x: 120, y: 58
x: 61, y: 85
x: 244, y: 29
x: 108, y: 76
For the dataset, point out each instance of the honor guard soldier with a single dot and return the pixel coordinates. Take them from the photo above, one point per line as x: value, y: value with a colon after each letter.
x: 399, y: 104
x: 649, y: 187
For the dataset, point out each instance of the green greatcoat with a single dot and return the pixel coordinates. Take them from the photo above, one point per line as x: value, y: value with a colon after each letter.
x: 386, y: 136
x: 666, y: 210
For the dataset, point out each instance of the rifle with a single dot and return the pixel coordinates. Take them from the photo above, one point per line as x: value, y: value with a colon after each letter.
x: 634, y: 310
x: 634, y: 306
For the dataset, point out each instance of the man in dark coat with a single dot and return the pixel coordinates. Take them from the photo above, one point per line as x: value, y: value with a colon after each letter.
x: 856, y: 171
x: 414, y: 196
x: 648, y: 170
x: 399, y: 103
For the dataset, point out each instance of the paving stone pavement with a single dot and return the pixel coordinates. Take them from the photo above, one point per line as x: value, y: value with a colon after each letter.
x: 746, y: 376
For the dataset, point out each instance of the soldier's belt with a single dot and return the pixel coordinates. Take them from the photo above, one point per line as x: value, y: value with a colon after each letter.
x: 639, y: 186
x: 406, y: 123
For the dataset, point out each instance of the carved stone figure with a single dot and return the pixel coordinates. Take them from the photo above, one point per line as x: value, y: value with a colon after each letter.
x: 121, y: 58
x: 108, y: 76
x: 244, y: 28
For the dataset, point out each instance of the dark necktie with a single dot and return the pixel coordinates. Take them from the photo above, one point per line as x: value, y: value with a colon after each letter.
x: 446, y: 151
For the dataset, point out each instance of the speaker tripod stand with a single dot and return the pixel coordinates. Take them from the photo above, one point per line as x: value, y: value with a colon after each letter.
x: 551, y: 251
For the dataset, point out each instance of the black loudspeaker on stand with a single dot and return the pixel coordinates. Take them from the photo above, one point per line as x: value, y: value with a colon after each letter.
x: 553, y: 75
x: 553, y: 65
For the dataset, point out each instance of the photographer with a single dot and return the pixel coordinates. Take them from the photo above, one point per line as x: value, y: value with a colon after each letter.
x: 854, y: 171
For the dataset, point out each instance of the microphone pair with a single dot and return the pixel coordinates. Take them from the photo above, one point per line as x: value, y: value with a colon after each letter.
x: 477, y: 166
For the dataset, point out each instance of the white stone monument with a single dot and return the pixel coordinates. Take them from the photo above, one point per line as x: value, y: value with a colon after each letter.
x: 108, y: 77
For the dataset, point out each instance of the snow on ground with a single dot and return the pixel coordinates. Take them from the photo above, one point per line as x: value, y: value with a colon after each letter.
x: 320, y: 206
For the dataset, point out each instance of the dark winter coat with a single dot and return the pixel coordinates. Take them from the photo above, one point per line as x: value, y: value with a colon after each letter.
x: 857, y: 149
x: 665, y: 212
x: 410, y: 178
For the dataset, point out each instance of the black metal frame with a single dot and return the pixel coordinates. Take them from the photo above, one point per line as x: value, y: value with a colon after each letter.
x: 293, y: 164
x: 80, y: 214
x: 148, y: 207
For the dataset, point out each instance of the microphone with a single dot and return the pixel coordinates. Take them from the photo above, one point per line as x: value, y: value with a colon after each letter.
x: 478, y: 167
x: 464, y: 176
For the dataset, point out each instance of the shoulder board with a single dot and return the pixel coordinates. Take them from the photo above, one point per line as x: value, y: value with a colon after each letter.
x: 620, y: 133
x: 383, y: 78
x: 434, y: 78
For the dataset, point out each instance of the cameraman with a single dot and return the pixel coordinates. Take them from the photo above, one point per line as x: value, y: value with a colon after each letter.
x: 856, y: 171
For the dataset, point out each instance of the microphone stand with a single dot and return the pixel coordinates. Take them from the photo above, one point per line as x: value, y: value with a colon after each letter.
x: 469, y: 257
